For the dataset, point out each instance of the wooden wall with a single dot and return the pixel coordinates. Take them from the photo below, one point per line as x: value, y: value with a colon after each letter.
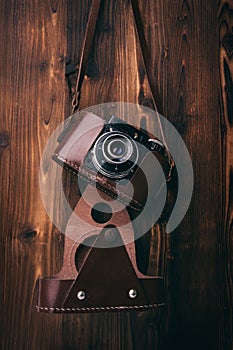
x: 191, y: 45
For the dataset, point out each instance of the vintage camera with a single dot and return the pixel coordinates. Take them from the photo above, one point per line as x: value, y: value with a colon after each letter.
x: 114, y: 156
x: 120, y: 148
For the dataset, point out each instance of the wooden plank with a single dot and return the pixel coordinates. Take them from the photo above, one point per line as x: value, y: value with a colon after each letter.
x: 33, y: 37
x: 226, y: 244
x: 192, y: 105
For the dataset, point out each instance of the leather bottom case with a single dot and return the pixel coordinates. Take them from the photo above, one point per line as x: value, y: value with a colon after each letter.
x: 103, y: 276
x: 53, y: 297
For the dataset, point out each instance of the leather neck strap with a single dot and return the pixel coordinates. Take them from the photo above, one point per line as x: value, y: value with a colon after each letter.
x: 89, y: 35
x: 88, y: 39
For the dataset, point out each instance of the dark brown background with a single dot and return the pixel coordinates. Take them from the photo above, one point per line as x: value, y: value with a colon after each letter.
x: 191, y: 44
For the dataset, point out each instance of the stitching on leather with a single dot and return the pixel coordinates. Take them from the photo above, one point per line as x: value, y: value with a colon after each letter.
x: 103, y: 308
x: 105, y: 184
x: 88, y: 179
x: 85, y: 173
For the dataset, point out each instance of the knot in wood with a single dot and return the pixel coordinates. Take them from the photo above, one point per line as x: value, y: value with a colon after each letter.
x: 4, y: 139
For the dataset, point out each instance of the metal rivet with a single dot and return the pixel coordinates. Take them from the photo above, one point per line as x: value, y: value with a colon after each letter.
x: 81, y: 295
x: 110, y: 235
x: 132, y: 293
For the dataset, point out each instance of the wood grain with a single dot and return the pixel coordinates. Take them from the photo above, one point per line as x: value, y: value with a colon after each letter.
x: 40, y: 50
x: 225, y: 16
x: 32, y: 69
x: 193, y: 107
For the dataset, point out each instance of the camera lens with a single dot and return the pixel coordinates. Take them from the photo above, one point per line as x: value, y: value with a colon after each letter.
x: 115, y: 154
x: 117, y: 148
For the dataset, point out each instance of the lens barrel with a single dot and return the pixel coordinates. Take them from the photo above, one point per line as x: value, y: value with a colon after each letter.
x: 117, y: 149
x: 115, y: 154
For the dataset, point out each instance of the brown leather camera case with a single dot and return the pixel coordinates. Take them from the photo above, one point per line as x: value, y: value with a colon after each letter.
x: 108, y: 278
